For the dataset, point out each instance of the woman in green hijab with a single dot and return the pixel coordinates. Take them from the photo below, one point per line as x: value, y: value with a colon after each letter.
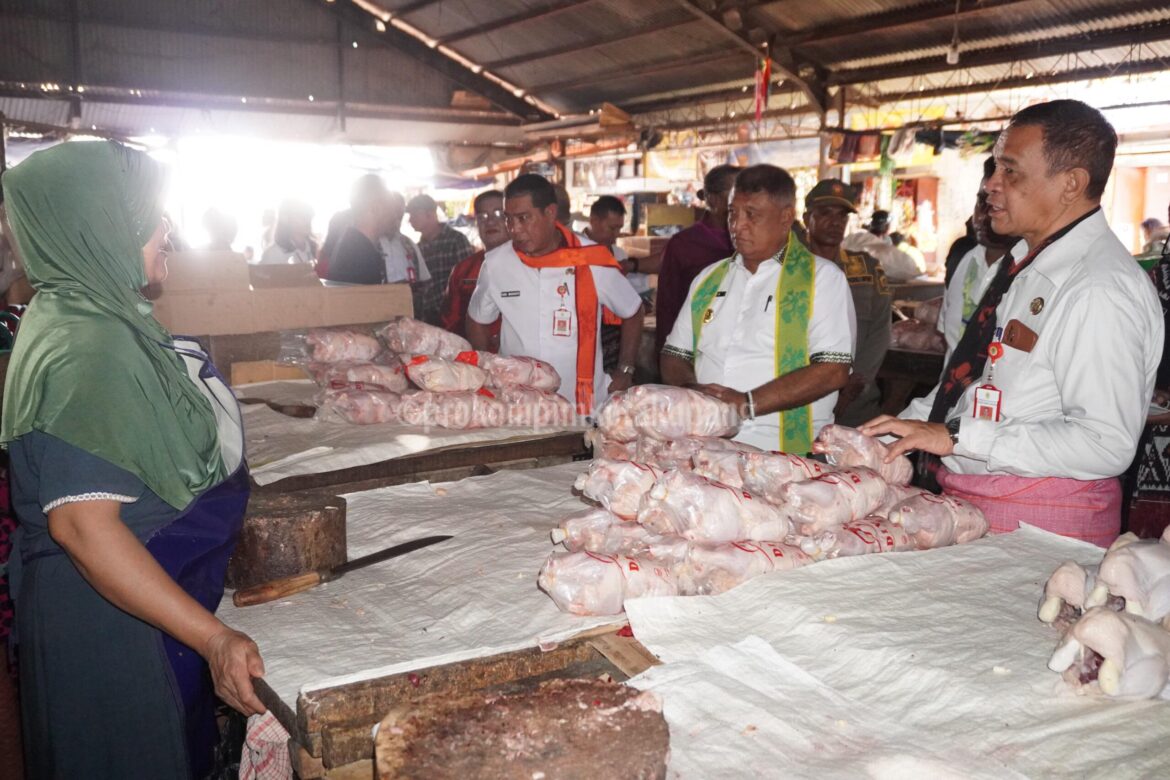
x: 128, y: 481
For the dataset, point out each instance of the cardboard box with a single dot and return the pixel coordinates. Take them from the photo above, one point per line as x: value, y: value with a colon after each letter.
x: 194, y: 313
x: 294, y: 275
x: 206, y: 271
x: 248, y: 371
x: 365, y: 303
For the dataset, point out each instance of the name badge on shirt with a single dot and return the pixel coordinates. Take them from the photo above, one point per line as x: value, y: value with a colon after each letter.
x: 988, y: 400
x: 562, y: 322
x: 411, y: 274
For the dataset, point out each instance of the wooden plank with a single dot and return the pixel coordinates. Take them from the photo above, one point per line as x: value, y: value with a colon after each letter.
x: 566, y: 445
x: 625, y: 652
x: 334, y: 724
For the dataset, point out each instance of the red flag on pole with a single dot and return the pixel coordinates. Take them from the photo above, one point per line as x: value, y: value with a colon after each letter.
x: 763, y: 86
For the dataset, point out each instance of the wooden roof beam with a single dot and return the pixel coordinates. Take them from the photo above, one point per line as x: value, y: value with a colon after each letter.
x: 1002, y: 55
x: 705, y: 57
x: 554, y: 8
x: 892, y: 20
x: 637, y: 32
x: 808, y: 76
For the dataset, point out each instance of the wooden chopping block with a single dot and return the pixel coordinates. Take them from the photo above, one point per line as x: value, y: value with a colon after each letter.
x: 288, y: 534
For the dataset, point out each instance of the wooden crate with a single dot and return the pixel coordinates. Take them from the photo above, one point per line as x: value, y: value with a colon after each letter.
x: 331, y: 727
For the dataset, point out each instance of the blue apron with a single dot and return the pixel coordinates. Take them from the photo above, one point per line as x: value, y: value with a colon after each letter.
x: 194, y: 550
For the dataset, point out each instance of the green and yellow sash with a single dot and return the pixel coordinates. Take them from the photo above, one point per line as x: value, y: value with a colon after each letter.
x: 794, y: 296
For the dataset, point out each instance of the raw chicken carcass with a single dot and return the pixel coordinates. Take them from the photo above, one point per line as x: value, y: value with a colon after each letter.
x: 586, y: 583
x: 710, y: 569
x: 764, y: 474
x: 939, y: 521
x: 610, y: 449
x: 601, y: 531
x: 896, y: 495
x: 679, y: 453
x: 361, y: 407
x: 444, y: 376
x: 1065, y: 593
x: 615, y: 418
x: 718, y: 466
x: 411, y: 337
x: 850, y: 447
x: 618, y: 485
x: 665, y: 412
x: 531, y: 408
x: 518, y: 370
x: 451, y: 410
x: 832, y: 500
x: 363, y: 376
x: 861, y: 537
x: 700, y: 510
x: 917, y: 336
x: 341, y: 346
x: 1137, y: 570
x: 1125, y: 655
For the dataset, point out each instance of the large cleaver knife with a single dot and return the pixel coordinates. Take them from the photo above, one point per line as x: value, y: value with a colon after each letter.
x: 277, y: 589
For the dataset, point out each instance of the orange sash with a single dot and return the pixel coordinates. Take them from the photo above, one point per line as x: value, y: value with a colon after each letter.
x: 574, y: 255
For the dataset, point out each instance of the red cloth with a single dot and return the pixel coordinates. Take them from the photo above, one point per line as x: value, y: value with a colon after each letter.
x: 1090, y: 511
x: 460, y: 286
x: 686, y: 254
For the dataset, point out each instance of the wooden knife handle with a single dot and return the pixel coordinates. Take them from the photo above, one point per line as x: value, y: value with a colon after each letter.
x: 277, y: 589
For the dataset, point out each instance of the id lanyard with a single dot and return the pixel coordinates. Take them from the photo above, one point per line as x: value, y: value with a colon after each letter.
x: 988, y: 397
x: 562, y: 317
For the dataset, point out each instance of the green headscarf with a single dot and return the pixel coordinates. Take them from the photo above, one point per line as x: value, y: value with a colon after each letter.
x: 89, y: 366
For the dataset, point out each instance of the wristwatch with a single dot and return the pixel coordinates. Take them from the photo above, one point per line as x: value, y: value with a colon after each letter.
x: 953, y: 430
x: 626, y: 369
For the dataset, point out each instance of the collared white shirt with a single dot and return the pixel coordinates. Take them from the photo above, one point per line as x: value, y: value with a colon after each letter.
x: 899, y: 266
x: 1075, y: 405
x: 738, y: 346
x: 397, y: 253
x: 971, y: 278
x: 527, y: 298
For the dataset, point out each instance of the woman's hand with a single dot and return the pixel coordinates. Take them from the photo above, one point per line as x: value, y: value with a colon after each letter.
x: 234, y: 660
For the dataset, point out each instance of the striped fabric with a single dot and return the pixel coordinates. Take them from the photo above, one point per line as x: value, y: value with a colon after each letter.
x: 1090, y: 511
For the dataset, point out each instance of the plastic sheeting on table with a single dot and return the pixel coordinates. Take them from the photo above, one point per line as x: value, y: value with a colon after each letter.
x: 279, y: 446
x: 920, y: 664
x: 467, y: 597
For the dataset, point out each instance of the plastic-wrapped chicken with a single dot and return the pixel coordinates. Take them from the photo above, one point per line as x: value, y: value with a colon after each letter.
x: 517, y: 370
x: 679, y: 453
x: 531, y: 408
x: 896, y: 495
x: 849, y: 447
x: 718, y: 466
x: 586, y: 583
x: 1137, y: 570
x: 939, y: 521
x: 456, y: 411
x: 610, y: 449
x: 360, y: 407
x: 601, y: 531
x: 1117, y: 654
x: 710, y: 569
x: 665, y: 412
x: 764, y: 474
x: 444, y: 376
x: 832, y: 500
x: 341, y: 346
x: 361, y: 376
x: 700, y: 510
x: 618, y: 485
x: 411, y: 337
x: 615, y: 418
x: 1065, y: 593
x: 859, y: 537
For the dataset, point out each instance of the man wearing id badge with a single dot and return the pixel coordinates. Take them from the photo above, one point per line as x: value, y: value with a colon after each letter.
x: 548, y: 287
x: 771, y: 329
x: 1044, y: 397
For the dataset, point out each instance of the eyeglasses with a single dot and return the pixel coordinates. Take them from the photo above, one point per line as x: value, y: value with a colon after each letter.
x: 485, y: 216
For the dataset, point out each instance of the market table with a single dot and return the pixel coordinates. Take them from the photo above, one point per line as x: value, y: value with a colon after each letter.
x: 288, y: 453
x: 905, y: 374
x: 920, y: 663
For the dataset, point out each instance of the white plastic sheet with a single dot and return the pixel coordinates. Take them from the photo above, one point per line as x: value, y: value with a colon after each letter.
x: 471, y: 596
x: 922, y: 664
x: 279, y: 446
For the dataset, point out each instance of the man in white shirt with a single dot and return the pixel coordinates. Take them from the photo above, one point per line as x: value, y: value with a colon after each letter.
x: 975, y: 270
x: 1044, y: 397
x: 548, y: 286
x: 775, y: 347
